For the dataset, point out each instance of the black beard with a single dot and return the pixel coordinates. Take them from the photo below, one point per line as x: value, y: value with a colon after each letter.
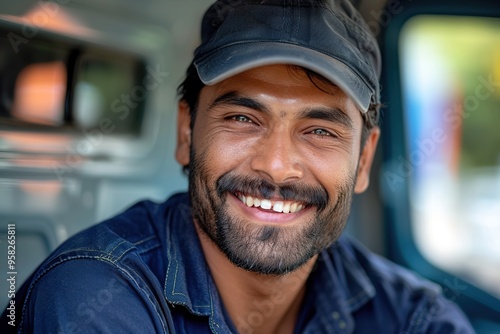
x: 269, y: 250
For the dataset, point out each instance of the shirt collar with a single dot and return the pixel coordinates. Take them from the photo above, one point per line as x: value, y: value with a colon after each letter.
x: 341, y: 287
x: 187, y: 281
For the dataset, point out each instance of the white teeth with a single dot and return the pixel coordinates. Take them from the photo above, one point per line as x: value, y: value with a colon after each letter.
x: 265, y: 204
x: 278, y: 207
x: 286, y: 208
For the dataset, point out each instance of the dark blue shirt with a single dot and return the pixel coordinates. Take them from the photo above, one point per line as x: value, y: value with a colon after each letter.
x: 143, y: 271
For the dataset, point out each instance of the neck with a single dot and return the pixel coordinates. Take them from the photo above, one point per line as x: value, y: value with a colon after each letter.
x: 257, y: 303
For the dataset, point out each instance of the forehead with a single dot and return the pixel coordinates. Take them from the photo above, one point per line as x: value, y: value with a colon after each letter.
x: 285, y: 84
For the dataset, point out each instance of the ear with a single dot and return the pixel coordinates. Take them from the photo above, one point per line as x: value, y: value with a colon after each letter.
x: 183, y: 133
x: 366, y: 160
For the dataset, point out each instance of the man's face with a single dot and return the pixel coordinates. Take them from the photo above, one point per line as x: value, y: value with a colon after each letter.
x: 274, y: 161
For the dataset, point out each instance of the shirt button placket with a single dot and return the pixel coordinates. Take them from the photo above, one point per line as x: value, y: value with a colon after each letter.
x: 341, y: 324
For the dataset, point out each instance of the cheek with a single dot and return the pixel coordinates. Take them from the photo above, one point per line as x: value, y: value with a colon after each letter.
x: 333, y: 171
x: 221, y: 151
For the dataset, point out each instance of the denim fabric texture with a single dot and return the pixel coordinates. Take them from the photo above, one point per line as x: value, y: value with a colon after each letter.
x: 143, y: 271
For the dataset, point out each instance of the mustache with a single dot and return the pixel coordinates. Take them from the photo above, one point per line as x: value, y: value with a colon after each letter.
x: 311, y: 195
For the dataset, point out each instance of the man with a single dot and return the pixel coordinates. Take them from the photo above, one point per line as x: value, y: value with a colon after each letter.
x: 277, y: 128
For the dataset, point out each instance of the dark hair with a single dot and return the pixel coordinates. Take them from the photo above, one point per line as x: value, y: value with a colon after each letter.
x: 189, y: 90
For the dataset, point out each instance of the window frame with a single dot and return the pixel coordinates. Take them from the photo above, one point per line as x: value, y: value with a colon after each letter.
x: 59, y: 144
x: 482, y: 308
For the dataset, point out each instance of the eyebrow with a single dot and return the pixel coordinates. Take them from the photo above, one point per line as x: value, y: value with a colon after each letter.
x: 233, y: 98
x: 329, y: 114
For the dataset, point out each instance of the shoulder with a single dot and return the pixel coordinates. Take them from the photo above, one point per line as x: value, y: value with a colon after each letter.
x: 415, y: 304
x: 115, y: 265
x: 89, y: 295
x: 383, y: 272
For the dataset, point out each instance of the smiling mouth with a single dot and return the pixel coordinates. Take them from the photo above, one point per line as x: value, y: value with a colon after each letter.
x: 271, y: 205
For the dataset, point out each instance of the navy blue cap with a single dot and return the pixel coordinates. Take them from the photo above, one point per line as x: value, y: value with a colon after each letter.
x: 328, y: 37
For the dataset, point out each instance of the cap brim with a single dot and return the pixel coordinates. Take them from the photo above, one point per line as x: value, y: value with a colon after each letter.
x: 236, y: 58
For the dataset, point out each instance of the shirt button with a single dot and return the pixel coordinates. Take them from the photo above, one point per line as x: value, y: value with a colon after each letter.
x: 342, y: 324
x: 335, y: 315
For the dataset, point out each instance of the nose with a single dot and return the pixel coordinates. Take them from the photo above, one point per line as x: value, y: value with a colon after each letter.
x: 278, y: 158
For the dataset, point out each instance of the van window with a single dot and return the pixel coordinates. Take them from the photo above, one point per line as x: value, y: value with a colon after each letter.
x: 450, y: 77
x: 63, y: 85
